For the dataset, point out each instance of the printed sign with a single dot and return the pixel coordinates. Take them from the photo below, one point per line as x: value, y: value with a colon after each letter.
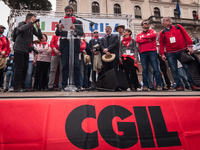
x: 149, y: 123
x: 48, y: 25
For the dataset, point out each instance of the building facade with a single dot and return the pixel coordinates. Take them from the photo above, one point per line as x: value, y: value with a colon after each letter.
x: 153, y: 10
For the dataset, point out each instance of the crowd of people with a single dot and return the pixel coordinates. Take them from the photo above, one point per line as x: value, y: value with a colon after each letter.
x: 48, y: 63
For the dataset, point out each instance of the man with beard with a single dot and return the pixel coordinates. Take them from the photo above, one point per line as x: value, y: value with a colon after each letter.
x: 64, y: 47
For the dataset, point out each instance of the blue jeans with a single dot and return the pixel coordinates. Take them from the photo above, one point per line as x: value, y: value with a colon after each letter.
x: 146, y: 58
x: 65, y: 63
x: 151, y: 76
x: 182, y: 75
x: 29, y: 74
x: 9, y: 75
x: 172, y: 61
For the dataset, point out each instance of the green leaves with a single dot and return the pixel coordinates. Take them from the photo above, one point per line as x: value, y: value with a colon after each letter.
x: 29, y: 4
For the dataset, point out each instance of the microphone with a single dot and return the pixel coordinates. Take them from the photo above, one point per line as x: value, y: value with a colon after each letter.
x: 75, y: 16
x: 85, y: 19
x: 69, y: 15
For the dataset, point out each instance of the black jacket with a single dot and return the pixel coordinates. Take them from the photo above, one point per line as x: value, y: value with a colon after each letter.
x: 193, y: 66
x: 94, y: 42
x: 78, y: 32
x: 111, y: 44
x: 25, y: 38
x: 9, y: 65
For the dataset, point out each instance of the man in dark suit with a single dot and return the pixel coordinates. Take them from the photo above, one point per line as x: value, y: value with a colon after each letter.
x: 64, y: 47
x: 109, y: 44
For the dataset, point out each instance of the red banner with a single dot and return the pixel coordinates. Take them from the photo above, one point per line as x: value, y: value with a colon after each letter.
x: 162, y: 123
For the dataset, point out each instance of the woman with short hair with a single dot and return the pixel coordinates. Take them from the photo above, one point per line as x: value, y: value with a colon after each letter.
x: 129, y: 53
x: 43, y: 62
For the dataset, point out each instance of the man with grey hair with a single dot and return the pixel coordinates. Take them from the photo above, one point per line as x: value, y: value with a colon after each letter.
x: 162, y: 20
x: 109, y: 44
x: 175, y: 39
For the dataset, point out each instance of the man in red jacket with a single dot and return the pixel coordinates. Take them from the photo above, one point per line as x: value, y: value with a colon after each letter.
x: 175, y: 39
x: 148, y: 54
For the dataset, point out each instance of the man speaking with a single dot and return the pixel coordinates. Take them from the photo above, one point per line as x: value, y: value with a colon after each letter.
x: 64, y: 47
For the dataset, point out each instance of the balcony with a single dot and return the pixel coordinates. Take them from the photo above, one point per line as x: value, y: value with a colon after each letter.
x: 184, y: 22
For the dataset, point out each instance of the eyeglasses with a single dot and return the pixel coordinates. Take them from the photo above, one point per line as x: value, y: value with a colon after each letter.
x: 167, y: 19
x: 146, y: 23
x: 95, y: 32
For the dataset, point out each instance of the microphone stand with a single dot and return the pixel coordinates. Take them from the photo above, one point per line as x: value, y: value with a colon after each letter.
x: 93, y: 87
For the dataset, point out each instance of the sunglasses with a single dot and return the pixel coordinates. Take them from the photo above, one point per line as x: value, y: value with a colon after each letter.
x: 146, y: 23
x: 95, y: 32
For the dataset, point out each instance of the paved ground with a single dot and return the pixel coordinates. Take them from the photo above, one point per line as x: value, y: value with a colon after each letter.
x: 65, y: 94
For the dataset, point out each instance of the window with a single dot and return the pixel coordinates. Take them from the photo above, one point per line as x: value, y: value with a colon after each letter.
x: 73, y: 3
x: 137, y: 12
x: 194, y: 14
x: 176, y: 14
x: 156, y: 12
x: 95, y: 7
x: 117, y: 9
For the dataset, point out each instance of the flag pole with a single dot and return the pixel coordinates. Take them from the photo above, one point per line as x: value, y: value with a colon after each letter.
x: 197, y: 13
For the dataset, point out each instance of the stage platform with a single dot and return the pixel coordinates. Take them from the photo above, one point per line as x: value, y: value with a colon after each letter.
x: 154, y: 120
x: 82, y: 94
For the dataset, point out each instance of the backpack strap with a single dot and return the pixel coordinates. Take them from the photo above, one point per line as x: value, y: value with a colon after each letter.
x: 177, y: 27
x: 163, y: 33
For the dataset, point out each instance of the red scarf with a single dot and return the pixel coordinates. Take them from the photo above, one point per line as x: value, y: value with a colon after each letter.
x: 44, y: 43
x: 95, y: 37
x: 82, y: 45
x: 126, y: 41
x: 73, y: 18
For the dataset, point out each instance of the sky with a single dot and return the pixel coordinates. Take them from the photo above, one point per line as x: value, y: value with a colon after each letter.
x: 5, y: 11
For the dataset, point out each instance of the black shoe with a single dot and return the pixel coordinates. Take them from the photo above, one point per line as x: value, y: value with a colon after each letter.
x: 49, y: 89
x: 35, y: 90
x: 29, y: 90
x: 187, y: 87
x: 153, y: 89
x: 6, y: 90
x: 20, y: 90
x: 56, y: 89
x: 62, y: 89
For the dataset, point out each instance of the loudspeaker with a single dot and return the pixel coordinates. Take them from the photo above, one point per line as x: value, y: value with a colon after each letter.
x: 113, y: 80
